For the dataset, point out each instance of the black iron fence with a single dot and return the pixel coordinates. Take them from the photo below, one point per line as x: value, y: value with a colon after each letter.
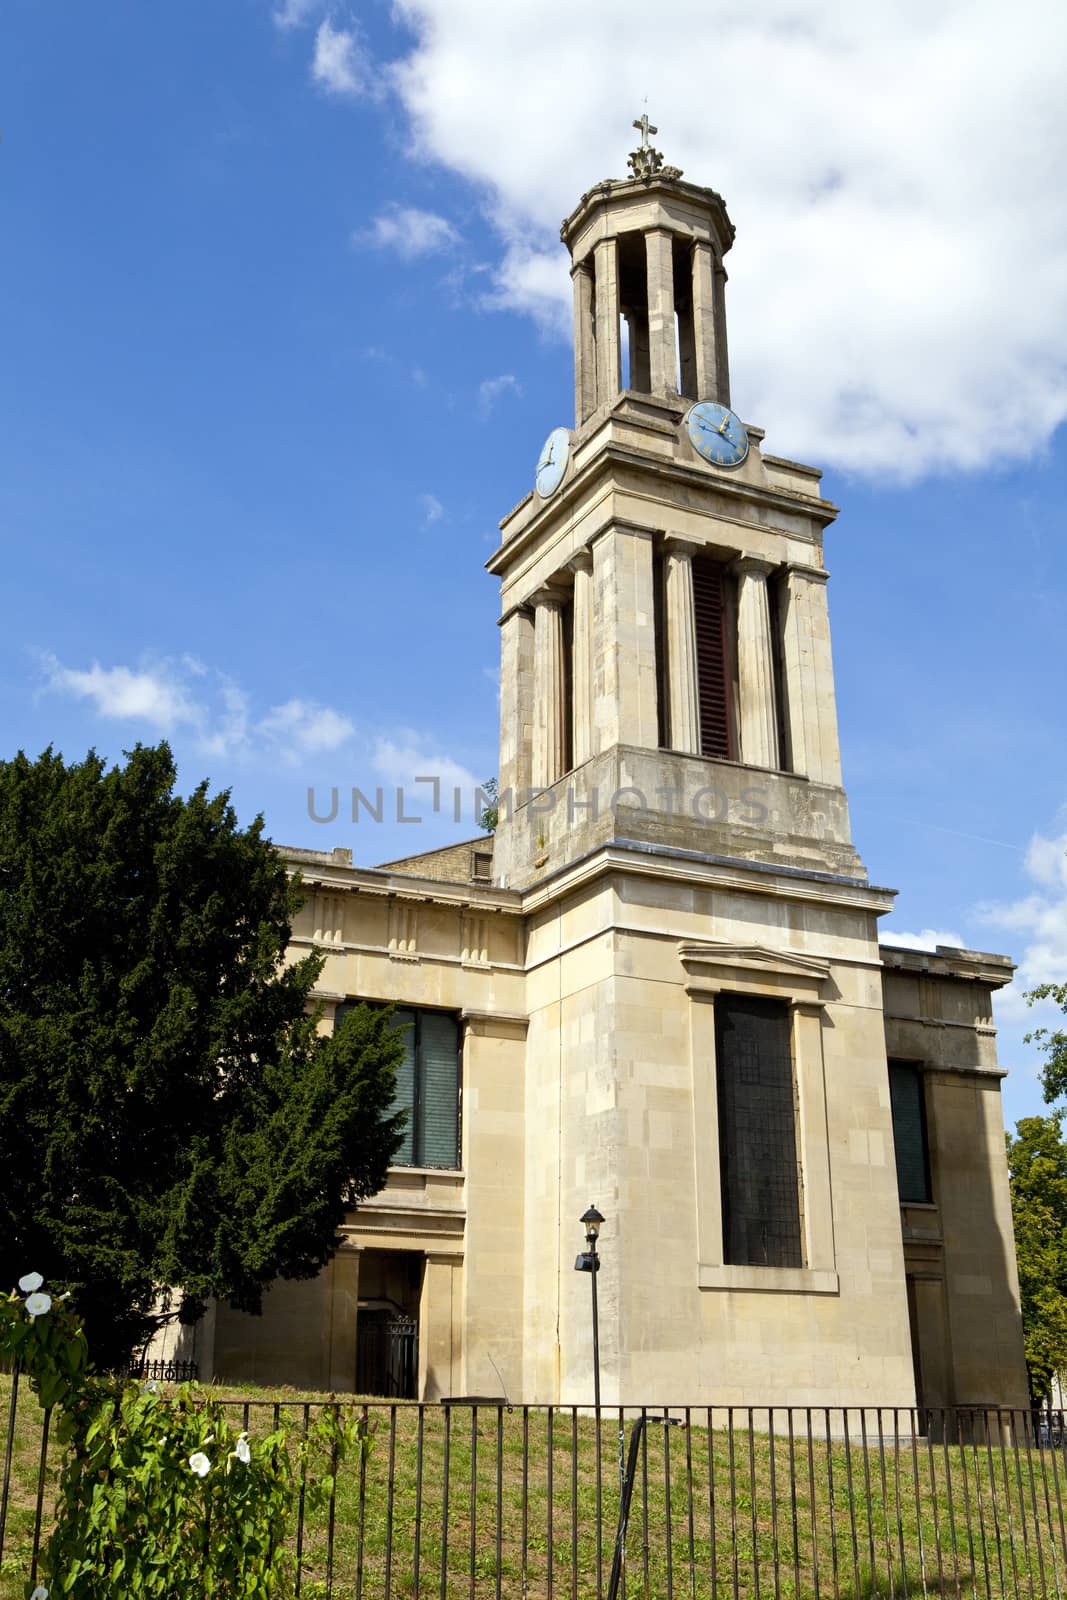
x: 161, y: 1371
x: 480, y: 1499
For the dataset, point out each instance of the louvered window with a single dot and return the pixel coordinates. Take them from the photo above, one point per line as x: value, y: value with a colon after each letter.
x: 427, y: 1087
x: 909, y: 1132
x: 713, y: 659
x: 757, y: 1133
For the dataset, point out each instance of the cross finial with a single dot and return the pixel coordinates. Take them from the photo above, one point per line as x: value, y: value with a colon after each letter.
x: 646, y: 128
x: 646, y: 162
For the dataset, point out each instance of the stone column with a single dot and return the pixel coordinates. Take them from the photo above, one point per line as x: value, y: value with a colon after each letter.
x: 584, y: 343
x: 607, y: 321
x: 582, y: 659
x: 662, y: 341
x: 549, y: 679
x: 722, y: 359
x: 624, y: 639
x: 704, y: 322
x: 682, y: 689
x: 808, y: 672
x: 755, y: 664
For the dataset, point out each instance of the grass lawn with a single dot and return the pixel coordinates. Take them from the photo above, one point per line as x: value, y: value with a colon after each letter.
x: 507, y: 1502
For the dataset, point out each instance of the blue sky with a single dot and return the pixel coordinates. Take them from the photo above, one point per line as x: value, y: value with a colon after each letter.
x: 284, y: 327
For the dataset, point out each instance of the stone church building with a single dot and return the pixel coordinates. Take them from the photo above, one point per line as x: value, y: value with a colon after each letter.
x: 658, y: 988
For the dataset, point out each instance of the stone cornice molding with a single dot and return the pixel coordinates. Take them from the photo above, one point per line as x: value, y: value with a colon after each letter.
x: 495, y: 1022
x: 720, y: 965
x: 802, y: 570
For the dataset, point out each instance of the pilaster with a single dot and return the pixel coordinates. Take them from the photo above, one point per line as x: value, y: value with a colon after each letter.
x: 624, y: 647
x: 755, y: 664
x: 808, y: 672
x: 516, y: 701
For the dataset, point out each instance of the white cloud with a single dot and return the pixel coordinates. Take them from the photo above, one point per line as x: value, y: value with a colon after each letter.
x: 175, y: 697
x: 928, y: 939
x: 153, y: 695
x: 1039, y: 921
x: 303, y: 727
x: 295, y: 13
x: 490, y: 391
x: 898, y: 290
x: 432, y: 509
x: 410, y: 232
x: 340, y: 65
x: 409, y: 755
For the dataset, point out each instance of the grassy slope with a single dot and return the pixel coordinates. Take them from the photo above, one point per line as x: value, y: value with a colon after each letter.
x: 973, y: 1520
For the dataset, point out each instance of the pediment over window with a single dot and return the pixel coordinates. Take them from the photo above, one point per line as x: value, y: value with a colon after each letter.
x: 714, y: 965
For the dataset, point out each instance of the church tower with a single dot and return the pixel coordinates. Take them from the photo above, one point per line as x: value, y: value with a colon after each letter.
x: 706, y: 1056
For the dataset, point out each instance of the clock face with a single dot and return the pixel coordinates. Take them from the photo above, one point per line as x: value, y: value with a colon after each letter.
x: 716, y: 434
x: 552, y: 462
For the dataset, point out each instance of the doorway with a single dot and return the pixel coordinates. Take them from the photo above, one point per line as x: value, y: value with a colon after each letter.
x: 387, y: 1328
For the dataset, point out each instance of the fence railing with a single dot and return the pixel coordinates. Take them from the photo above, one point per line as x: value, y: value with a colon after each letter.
x: 160, y: 1371
x: 482, y: 1499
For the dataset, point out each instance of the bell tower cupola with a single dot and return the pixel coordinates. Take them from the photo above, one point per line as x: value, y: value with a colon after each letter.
x: 647, y: 257
x: 666, y: 679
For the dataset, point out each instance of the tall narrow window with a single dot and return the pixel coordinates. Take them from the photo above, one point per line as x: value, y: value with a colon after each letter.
x: 427, y: 1087
x: 757, y: 1133
x: 909, y: 1132
x: 713, y: 659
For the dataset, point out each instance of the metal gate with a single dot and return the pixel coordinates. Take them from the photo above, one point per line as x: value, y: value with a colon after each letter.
x: 387, y: 1354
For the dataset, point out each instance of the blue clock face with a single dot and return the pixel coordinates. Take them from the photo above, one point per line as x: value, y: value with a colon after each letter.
x: 717, y: 434
x: 552, y: 462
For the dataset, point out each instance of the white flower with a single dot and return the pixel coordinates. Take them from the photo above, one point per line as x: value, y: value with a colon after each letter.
x: 40, y: 1593
x: 37, y: 1305
x: 243, y: 1452
x: 199, y: 1463
x: 150, y: 1386
x: 28, y: 1284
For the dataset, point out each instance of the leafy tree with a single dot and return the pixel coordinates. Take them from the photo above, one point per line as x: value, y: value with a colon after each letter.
x: 490, y: 815
x: 1037, y: 1165
x: 170, y: 1117
x: 1053, y: 1041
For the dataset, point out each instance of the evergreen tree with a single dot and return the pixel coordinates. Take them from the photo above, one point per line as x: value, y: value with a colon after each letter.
x: 170, y: 1117
x: 1037, y: 1164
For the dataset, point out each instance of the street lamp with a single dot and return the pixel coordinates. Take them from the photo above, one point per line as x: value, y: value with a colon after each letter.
x: 589, y: 1262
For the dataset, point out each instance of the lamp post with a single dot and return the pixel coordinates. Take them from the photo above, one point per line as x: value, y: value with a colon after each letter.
x: 589, y: 1262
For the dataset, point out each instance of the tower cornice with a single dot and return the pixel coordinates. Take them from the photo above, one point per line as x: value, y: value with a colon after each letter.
x: 688, y: 208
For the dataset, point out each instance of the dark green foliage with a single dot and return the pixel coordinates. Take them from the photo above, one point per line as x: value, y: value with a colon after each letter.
x: 169, y: 1115
x: 1037, y: 1164
x: 1053, y: 1041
